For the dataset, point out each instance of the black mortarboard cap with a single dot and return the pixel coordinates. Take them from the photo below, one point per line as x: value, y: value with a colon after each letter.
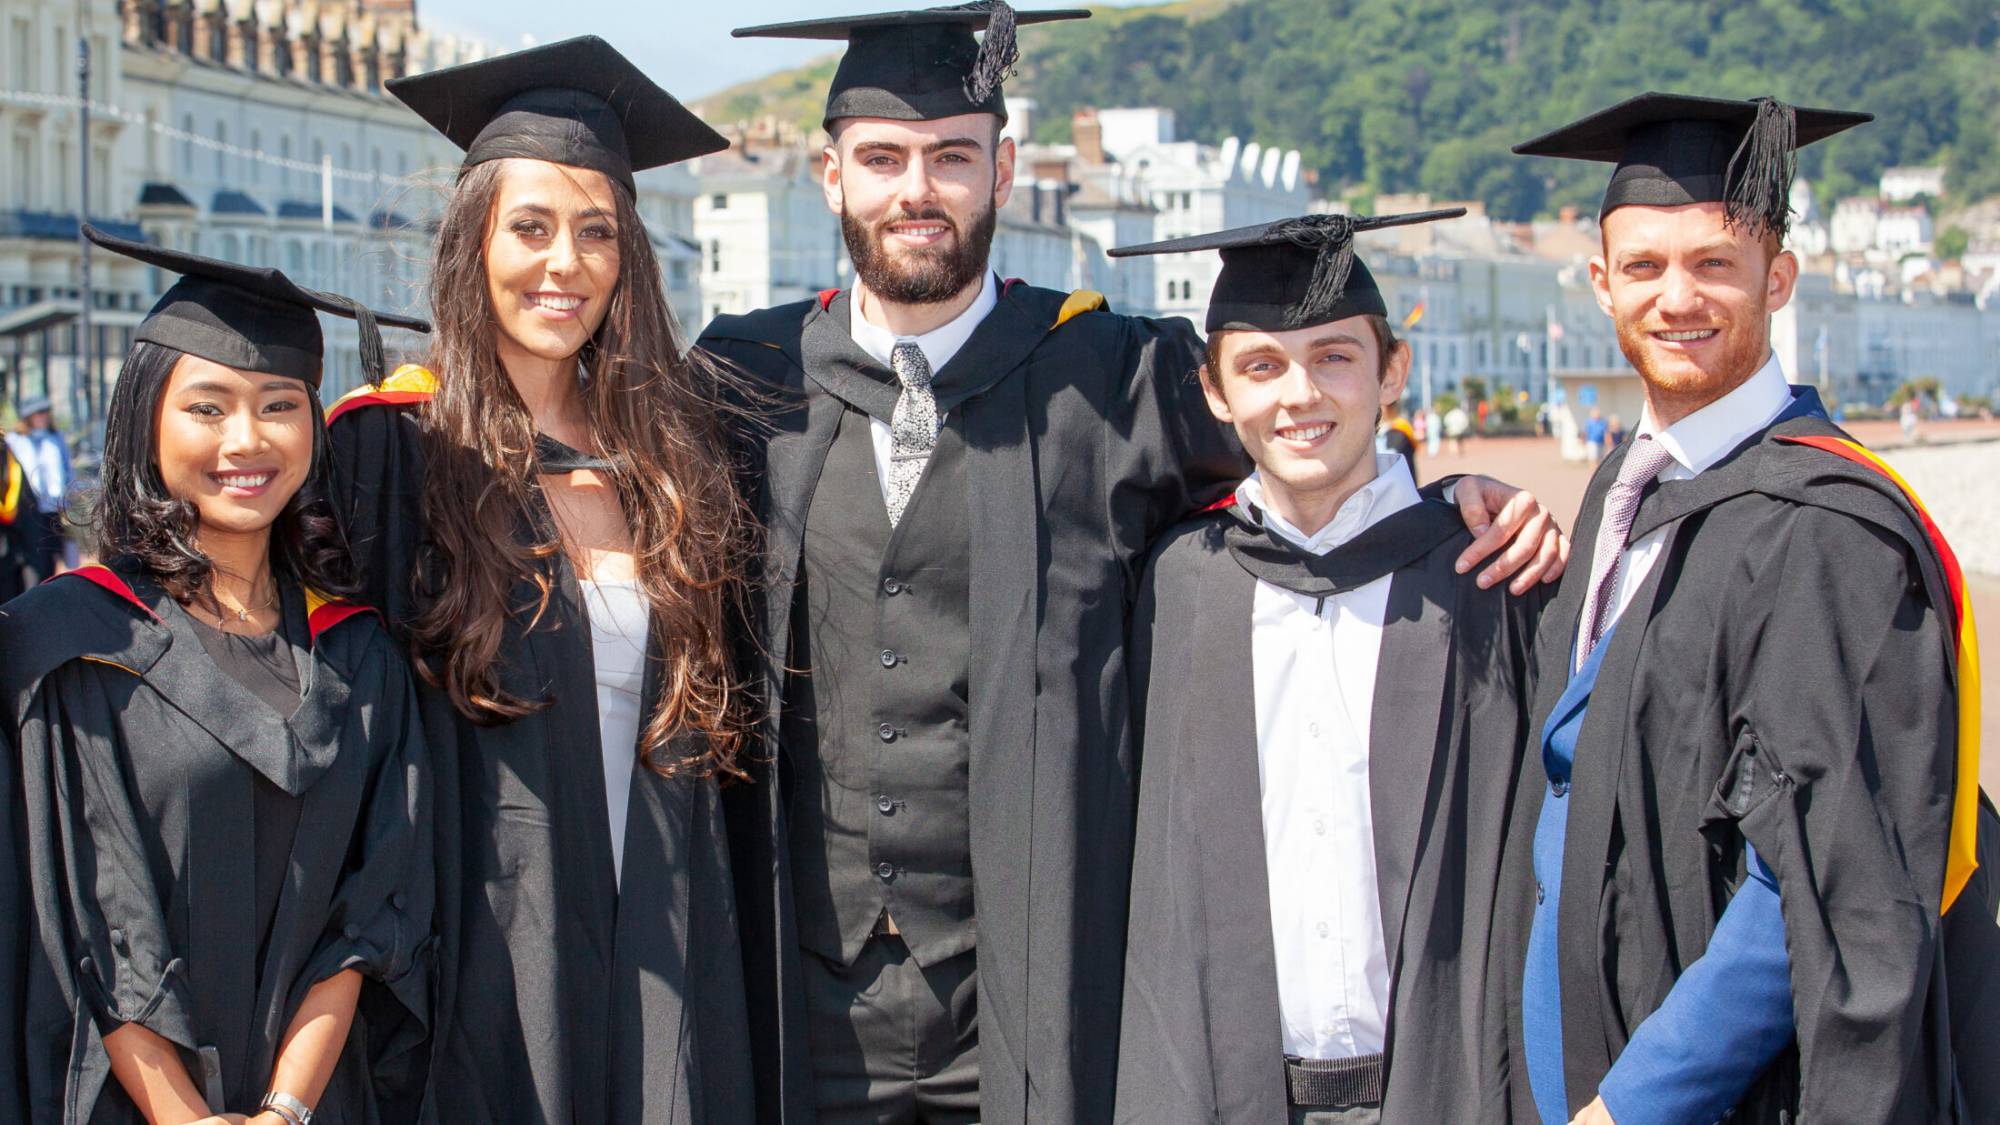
x: 1293, y: 273
x: 578, y: 102
x: 1675, y: 149
x: 919, y: 65
x: 252, y: 318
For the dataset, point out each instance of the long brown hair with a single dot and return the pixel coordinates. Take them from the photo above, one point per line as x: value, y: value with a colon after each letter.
x: 657, y: 409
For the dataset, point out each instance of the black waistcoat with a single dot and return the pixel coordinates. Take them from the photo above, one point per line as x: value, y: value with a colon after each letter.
x: 877, y: 723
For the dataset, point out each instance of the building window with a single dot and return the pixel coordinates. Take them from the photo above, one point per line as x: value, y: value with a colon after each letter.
x: 24, y: 170
x: 21, y: 54
x: 221, y: 157
x: 715, y: 255
x: 256, y: 150
x: 718, y: 202
x: 187, y: 144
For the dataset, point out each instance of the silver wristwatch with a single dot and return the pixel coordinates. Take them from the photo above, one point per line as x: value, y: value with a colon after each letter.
x: 288, y: 1107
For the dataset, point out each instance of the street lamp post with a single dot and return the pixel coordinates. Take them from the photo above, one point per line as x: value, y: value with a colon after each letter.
x: 85, y: 360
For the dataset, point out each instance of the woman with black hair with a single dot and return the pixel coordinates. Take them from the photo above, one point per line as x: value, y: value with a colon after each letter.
x: 224, y: 882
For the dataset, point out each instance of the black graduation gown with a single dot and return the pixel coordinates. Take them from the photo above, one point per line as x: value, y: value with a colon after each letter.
x: 140, y: 766
x: 1086, y: 437
x: 565, y: 998
x: 1202, y: 1035
x: 1784, y: 677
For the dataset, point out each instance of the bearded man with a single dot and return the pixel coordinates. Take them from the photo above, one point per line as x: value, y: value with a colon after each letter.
x: 958, y: 486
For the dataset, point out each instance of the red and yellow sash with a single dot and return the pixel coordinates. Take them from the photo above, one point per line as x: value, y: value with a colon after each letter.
x: 1961, y: 858
x: 407, y: 384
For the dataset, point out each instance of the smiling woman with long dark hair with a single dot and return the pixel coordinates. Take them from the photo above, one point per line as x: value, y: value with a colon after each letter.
x: 546, y: 514
x: 224, y: 836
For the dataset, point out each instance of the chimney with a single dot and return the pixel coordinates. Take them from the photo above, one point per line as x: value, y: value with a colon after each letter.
x: 1087, y: 133
x: 211, y: 31
x: 132, y: 23
x: 1568, y: 215
x: 242, y: 44
x: 304, y: 46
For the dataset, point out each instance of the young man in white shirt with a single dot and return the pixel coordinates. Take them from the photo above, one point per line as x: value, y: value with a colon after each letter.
x: 1331, y: 720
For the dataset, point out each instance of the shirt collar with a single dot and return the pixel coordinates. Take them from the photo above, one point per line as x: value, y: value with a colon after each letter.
x: 940, y: 343
x: 1392, y: 490
x: 1699, y: 440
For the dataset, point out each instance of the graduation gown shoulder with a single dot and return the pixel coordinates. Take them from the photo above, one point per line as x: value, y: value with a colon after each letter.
x: 1086, y: 437
x: 1201, y: 1037
x: 566, y: 994
x: 138, y: 764
x: 1785, y: 678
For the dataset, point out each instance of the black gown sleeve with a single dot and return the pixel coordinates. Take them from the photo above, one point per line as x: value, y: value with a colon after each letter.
x: 380, y: 919
x: 1172, y: 458
x: 1165, y: 1076
x: 14, y: 903
x: 98, y: 928
x: 1841, y: 777
x: 378, y: 475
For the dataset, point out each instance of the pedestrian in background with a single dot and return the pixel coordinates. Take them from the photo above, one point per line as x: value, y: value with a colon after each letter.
x: 1615, y: 434
x: 1594, y: 432
x: 43, y: 453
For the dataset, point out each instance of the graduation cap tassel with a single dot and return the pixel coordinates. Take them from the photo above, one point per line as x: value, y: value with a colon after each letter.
x: 1761, y: 171
x: 1333, y: 236
x: 998, y: 52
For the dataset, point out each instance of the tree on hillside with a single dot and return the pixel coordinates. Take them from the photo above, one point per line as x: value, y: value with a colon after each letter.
x: 1391, y: 95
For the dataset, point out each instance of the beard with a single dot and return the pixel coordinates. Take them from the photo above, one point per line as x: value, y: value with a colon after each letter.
x: 1678, y: 381
x: 919, y: 277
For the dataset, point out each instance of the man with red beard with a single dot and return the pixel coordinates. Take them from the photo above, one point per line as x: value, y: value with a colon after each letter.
x: 1754, y: 857
x: 959, y: 485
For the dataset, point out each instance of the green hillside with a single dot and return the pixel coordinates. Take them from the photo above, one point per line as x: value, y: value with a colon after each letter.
x: 1400, y: 95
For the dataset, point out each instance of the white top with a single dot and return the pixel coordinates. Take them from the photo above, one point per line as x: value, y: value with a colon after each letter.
x: 1696, y: 443
x: 938, y: 346
x: 1312, y: 759
x: 619, y: 616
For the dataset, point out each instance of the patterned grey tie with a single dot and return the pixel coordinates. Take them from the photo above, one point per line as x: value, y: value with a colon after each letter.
x: 913, y: 428
x: 1643, y: 461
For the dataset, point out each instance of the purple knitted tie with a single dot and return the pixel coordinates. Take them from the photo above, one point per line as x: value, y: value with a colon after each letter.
x: 1643, y: 461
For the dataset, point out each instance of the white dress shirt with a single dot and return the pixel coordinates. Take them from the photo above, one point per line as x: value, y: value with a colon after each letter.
x: 1314, y: 662
x: 1696, y: 443
x: 938, y: 346
x: 619, y: 618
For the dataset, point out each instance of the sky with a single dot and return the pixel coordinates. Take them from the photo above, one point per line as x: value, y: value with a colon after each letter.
x: 683, y: 44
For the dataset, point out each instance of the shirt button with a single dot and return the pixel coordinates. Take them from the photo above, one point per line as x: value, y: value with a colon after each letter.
x: 885, y: 805
x: 1540, y: 894
x: 885, y: 871
x: 887, y: 732
x: 1312, y: 729
x: 1319, y: 827
x: 1322, y: 928
x: 1559, y: 787
x: 889, y: 658
x: 891, y: 587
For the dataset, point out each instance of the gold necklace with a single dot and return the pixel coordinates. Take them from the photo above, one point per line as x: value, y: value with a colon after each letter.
x: 243, y: 615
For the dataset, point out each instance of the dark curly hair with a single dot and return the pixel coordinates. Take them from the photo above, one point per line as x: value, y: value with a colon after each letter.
x: 134, y: 516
